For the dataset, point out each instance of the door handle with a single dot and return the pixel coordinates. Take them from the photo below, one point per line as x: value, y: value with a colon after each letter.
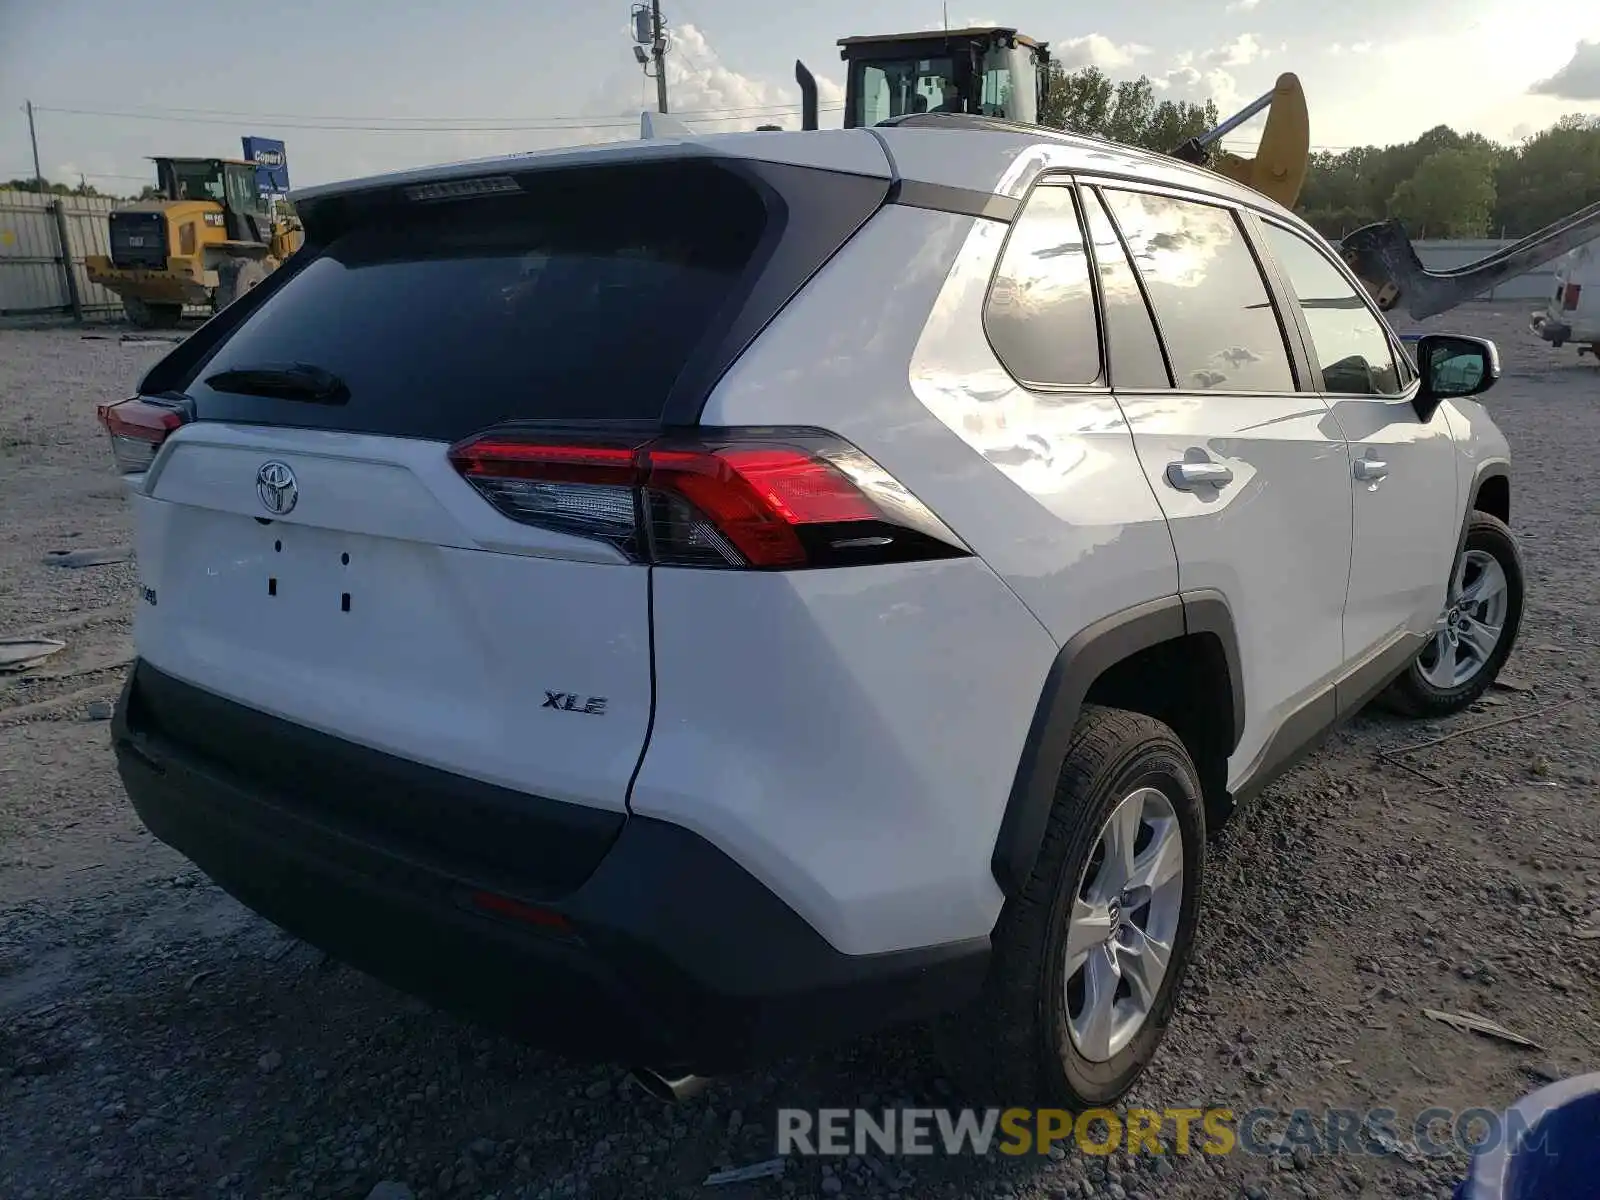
x: 1369, y: 470
x: 1187, y: 476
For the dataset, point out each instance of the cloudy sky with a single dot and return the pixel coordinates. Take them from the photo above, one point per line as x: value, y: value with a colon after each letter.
x: 358, y: 86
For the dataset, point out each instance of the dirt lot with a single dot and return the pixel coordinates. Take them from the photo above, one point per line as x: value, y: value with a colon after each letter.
x: 157, y: 1040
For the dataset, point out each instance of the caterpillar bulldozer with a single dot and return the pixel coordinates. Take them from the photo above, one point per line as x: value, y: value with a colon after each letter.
x: 210, y: 237
x: 997, y: 73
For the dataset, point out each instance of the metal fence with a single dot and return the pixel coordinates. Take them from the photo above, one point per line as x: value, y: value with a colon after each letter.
x: 36, y: 274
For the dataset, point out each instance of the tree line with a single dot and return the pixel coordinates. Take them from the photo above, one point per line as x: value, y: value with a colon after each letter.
x: 83, y: 188
x: 1444, y: 184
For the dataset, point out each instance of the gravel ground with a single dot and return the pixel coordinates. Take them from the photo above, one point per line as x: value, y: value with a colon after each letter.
x: 157, y: 1040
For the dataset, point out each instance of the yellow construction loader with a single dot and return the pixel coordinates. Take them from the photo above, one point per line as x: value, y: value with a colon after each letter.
x: 210, y: 238
x: 996, y: 72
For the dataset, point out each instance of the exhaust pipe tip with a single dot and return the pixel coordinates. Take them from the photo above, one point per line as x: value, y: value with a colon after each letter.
x: 672, y: 1091
x: 808, y: 95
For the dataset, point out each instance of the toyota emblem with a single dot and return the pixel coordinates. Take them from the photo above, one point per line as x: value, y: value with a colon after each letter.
x: 276, y: 486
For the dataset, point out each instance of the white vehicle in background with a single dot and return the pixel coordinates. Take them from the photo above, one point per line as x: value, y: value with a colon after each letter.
x: 1573, y: 311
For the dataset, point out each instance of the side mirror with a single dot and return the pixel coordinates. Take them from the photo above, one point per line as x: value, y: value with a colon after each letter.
x: 1453, y: 366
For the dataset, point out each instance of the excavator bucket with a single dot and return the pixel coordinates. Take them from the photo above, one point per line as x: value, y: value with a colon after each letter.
x: 1383, y: 258
x: 1278, y: 170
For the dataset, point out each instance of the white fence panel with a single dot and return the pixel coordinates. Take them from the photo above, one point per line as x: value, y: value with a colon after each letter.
x: 33, y: 278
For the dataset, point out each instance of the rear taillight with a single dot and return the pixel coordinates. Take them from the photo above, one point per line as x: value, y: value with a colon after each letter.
x: 764, y: 499
x: 137, y: 428
x: 1569, y: 302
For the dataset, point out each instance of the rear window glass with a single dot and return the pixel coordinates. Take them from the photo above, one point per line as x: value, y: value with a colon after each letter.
x: 582, y: 299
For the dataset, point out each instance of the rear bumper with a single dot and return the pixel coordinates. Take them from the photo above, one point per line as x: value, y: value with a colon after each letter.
x: 666, y: 953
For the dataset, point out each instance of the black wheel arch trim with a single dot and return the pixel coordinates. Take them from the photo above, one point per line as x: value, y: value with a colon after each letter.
x: 1494, y: 468
x: 1206, y: 610
x: 1080, y: 661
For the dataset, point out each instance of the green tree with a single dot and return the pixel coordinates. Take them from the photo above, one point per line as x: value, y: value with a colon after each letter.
x: 38, y: 185
x: 1554, y: 173
x: 1088, y: 101
x: 1551, y: 175
x: 84, y: 188
x: 1451, y: 194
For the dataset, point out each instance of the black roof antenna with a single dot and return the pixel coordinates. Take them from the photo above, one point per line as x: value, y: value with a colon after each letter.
x: 808, y: 95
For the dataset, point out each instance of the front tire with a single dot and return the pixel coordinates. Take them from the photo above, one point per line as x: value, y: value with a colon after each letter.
x: 143, y: 314
x: 235, y: 277
x: 1089, y: 957
x: 1476, y: 632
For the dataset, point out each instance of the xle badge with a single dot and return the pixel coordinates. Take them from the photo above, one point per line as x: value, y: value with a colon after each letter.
x: 595, y: 706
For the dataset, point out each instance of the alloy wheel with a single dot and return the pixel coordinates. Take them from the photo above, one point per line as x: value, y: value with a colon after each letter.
x: 1470, y: 628
x: 1124, y: 919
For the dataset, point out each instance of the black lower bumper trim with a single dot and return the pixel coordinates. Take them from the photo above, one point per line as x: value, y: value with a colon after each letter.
x: 674, y: 956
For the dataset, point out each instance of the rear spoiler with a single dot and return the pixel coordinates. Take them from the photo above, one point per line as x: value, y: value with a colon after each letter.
x: 654, y: 125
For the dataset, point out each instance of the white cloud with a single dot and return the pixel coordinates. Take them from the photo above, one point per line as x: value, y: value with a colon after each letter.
x: 1579, y: 79
x: 701, y: 89
x: 1096, y: 50
x: 698, y: 81
x: 1243, y: 5
x: 1243, y: 49
x: 1210, y: 75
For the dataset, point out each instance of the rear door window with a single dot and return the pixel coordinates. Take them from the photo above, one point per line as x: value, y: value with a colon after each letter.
x: 1216, y: 317
x: 580, y: 299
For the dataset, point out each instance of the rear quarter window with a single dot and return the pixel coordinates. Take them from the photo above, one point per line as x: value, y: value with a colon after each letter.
x: 1040, y: 314
x: 581, y: 298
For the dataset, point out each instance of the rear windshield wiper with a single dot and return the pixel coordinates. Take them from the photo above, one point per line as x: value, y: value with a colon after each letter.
x: 282, y: 381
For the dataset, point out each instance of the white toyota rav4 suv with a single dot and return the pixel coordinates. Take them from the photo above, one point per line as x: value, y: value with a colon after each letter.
x: 687, y: 602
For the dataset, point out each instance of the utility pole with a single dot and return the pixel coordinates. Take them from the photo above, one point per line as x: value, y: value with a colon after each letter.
x: 658, y: 51
x: 33, y: 137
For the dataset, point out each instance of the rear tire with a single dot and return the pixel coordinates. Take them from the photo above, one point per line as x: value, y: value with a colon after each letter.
x: 142, y: 314
x: 1073, y: 934
x: 235, y: 277
x: 1477, y: 632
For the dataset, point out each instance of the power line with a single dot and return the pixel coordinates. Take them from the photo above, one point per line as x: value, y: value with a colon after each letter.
x: 156, y: 109
x: 421, y: 125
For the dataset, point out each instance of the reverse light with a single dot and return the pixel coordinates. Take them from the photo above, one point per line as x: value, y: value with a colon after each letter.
x: 137, y: 428
x: 754, y: 499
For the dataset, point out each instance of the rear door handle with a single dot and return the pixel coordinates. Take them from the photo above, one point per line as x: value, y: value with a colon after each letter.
x: 1369, y: 470
x: 1187, y: 476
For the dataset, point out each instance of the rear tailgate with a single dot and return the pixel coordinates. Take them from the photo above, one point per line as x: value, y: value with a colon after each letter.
x: 323, y: 561
x: 390, y: 607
